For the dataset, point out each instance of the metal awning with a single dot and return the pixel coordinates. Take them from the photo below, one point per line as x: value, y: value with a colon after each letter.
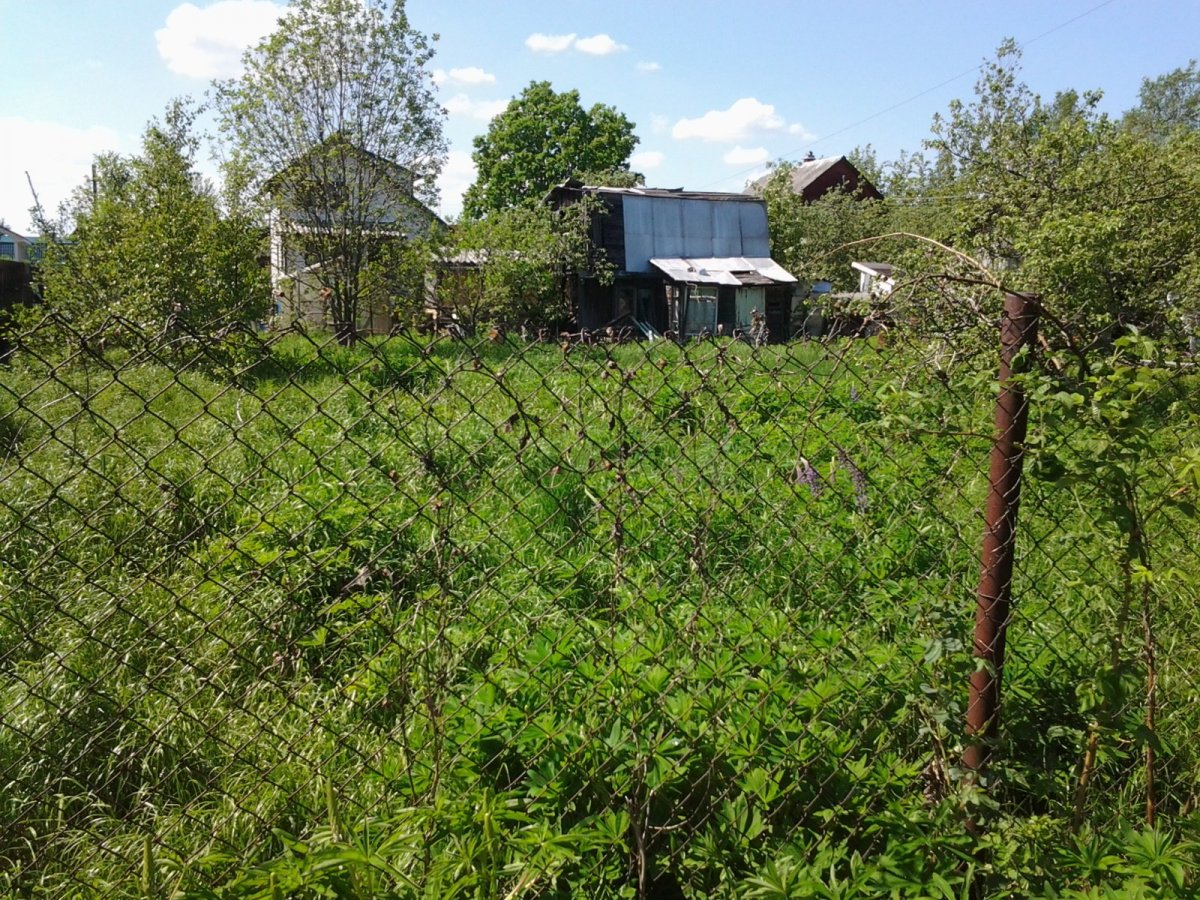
x: 731, y: 270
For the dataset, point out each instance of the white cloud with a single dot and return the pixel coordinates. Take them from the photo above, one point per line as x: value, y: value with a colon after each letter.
x: 58, y: 158
x: 649, y: 67
x: 460, y: 106
x: 208, y: 42
x: 457, y: 175
x: 746, y: 156
x: 599, y: 45
x: 596, y: 45
x: 549, y: 43
x: 745, y: 118
x: 647, y: 159
x: 801, y: 132
x: 469, y: 76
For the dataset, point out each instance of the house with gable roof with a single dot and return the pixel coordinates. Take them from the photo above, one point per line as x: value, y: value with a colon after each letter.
x: 813, y: 178
x: 332, y: 208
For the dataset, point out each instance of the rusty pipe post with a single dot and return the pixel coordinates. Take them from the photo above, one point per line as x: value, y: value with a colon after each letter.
x: 994, y: 598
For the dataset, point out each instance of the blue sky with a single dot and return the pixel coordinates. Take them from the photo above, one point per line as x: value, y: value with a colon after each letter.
x: 716, y: 88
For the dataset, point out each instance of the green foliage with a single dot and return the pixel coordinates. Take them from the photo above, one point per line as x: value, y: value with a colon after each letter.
x: 144, y: 248
x: 542, y: 139
x: 808, y: 239
x: 395, y: 279
x: 519, y: 261
x: 1167, y: 103
x: 423, y: 619
x: 617, y: 178
x: 817, y: 241
x: 1097, y: 219
x: 481, y: 619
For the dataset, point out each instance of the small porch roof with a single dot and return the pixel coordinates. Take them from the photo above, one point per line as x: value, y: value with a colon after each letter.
x: 730, y: 270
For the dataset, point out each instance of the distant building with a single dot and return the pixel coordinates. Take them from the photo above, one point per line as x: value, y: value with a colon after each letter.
x: 16, y: 280
x: 317, y: 197
x: 14, y: 246
x: 688, y: 262
x: 874, y: 278
x: 852, y: 313
x: 813, y: 178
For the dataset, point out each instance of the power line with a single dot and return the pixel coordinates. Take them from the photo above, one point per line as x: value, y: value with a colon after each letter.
x: 919, y: 95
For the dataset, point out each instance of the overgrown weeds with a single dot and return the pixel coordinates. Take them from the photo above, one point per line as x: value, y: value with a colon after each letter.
x: 430, y: 619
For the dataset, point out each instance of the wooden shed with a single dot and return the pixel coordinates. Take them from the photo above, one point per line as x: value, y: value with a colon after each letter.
x: 687, y: 262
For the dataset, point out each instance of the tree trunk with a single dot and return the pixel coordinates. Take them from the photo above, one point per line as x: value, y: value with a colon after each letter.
x: 344, y: 313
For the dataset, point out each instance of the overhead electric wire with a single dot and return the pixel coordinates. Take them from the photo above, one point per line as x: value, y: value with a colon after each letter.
x: 917, y: 96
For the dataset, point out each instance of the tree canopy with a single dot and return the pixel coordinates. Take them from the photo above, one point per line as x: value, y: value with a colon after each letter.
x: 1097, y: 218
x: 144, y: 247
x: 542, y: 139
x: 335, y: 117
x: 807, y: 238
x: 1096, y: 215
x: 1167, y: 103
x: 522, y: 262
x: 816, y: 241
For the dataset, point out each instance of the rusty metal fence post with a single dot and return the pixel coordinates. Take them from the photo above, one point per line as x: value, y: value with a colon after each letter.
x: 1017, y: 331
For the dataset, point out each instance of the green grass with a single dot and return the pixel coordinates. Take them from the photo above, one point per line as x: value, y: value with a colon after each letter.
x: 417, y: 619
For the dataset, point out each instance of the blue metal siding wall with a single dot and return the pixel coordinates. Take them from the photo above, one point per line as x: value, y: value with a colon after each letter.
x: 756, y: 236
x: 657, y: 227
x: 728, y: 231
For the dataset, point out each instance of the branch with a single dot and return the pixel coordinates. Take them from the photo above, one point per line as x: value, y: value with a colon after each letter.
x: 988, y: 280
x: 958, y: 254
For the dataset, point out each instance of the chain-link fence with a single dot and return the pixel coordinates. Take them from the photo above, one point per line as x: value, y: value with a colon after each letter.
x: 508, y: 618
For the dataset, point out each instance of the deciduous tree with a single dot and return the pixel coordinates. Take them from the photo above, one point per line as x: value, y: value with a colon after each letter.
x: 808, y: 238
x: 1100, y: 220
x: 542, y: 139
x: 522, y: 260
x: 144, y: 242
x: 336, y: 115
x: 1167, y: 103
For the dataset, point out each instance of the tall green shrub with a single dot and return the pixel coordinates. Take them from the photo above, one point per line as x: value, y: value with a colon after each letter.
x: 143, y: 249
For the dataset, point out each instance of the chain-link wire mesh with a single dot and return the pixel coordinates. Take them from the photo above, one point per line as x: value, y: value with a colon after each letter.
x: 498, y: 618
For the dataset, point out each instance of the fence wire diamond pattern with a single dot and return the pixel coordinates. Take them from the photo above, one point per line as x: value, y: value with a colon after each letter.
x: 432, y: 617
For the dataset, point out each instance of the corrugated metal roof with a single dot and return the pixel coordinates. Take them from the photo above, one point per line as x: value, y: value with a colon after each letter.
x: 732, y: 270
x: 660, y: 224
x: 665, y: 227
x: 576, y: 187
x: 675, y: 193
x: 685, y: 270
x: 751, y: 279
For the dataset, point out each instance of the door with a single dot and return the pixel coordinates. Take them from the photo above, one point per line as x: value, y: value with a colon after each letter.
x: 701, y: 310
x: 750, y: 300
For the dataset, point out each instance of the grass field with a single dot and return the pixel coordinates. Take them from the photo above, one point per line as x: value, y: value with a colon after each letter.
x: 440, y: 620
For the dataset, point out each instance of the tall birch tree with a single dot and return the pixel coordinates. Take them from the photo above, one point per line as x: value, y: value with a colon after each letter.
x: 336, y: 118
